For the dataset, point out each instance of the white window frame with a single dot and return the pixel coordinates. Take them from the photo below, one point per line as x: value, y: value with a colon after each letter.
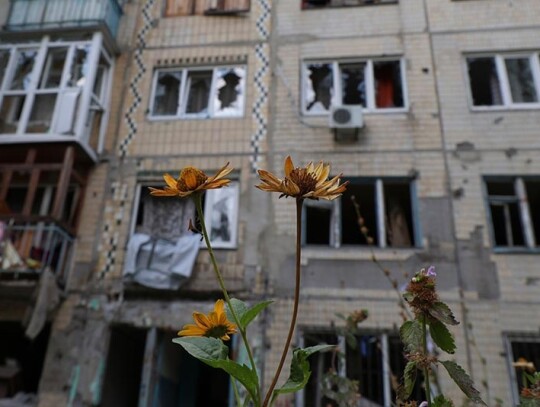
x: 335, y: 216
x: 211, y: 196
x: 184, y: 93
x: 369, y: 80
x: 520, y: 196
x: 502, y: 75
x: 87, y: 101
x: 342, y: 344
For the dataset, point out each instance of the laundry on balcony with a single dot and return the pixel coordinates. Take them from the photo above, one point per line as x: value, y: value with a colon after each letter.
x: 160, y: 263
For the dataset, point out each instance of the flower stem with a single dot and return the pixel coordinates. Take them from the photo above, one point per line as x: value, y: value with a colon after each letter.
x: 426, y: 368
x: 299, y: 202
x: 198, y: 205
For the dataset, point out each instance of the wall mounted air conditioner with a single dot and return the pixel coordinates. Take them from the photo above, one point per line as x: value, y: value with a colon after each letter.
x: 346, y: 121
x: 346, y: 117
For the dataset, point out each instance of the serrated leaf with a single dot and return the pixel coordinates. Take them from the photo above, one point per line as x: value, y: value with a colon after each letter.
x: 244, y: 313
x: 442, y: 337
x: 214, y: 353
x: 409, y: 379
x: 411, y: 335
x: 441, y: 401
x: 443, y: 313
x: 462, y: 379
x: 299, y: 370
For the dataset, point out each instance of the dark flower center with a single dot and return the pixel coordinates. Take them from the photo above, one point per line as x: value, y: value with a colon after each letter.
x: 304, y: 179
x: 216, y: 331
x: 190, y: 179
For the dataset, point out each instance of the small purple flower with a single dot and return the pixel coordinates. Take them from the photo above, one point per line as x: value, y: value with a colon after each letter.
x: 424, y: 403
x: 431, y: 271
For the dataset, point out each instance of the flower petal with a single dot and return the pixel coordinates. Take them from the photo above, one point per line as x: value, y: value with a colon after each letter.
x: 191, y: 330
x: 289, y: 166
x: 225, y: 170
x: 202, y: 320
x: 163, y: 192
x: 170, y: 181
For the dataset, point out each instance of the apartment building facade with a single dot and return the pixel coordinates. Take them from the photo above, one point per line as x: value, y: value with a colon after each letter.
x: 438, y: 142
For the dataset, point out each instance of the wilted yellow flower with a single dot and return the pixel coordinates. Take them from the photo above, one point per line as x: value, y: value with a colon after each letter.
x: 191, y: 180
x: 524, y: 364
x: 214, y: 325
x: 303, y: 182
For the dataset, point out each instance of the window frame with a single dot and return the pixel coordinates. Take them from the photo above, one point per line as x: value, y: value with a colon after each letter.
x: 504, y: 84
x: 369, y: 78
x: 381, y: 229
x: 184, y: 93
x: 304, y: 7
x: 383, y: 336
x: 508, y: 339
x: 155, y: 182
x: 520, y: 197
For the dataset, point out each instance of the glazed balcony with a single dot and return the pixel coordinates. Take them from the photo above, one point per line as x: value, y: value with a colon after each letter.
x: 48, y: 15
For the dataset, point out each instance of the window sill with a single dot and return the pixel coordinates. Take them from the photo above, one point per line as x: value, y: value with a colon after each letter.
x: 396, y: 110
x: 158, y: 119
x: 357, y: 253
x: 516, y: 250
x: 519, y: 108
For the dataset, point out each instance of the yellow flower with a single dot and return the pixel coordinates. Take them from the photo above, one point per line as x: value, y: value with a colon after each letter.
x: 306, y: 182
x: 191, y: 180
x: 214, y: 325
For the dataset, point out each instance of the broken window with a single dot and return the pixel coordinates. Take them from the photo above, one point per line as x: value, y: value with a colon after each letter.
x: 319, y: 87
x: 174, y: 8
x: 216, y: 92
x: 388, y: 88
x: 386, y: 208
x: 504, y: 80
x: 515, y: 220
x: 310, y: 4
x: 521, y: 348
x: 229, y: 95
x: 373, y: 84
x: 374, y: 360
x: 167, y: 93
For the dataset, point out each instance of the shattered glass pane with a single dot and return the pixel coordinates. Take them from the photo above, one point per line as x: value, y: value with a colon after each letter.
x: 388, y: 86
x: 484, y: 81
x: 54, y: 66
x: 319, y: 87
x: 353, y: 86
x: 167, y: 93
x: 4, y: 59
x: 23, y: 69
x: 79, y: 67
x: 198, y: 85
x: 521, y: 80
x: 230, y: 88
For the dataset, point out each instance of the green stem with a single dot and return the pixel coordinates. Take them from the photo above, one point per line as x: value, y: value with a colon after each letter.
x: 235, y: 391
x: 299, y: 202
x: 426, y: 368
x: 198, y: 205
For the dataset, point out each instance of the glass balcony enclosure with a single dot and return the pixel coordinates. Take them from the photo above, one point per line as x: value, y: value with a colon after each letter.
x: 27, y: 15
x: 55, y: 91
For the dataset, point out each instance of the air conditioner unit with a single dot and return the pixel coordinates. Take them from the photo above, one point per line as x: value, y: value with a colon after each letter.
x: 346, y: 117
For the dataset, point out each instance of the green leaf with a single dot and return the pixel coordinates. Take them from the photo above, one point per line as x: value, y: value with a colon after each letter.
x: 441, y: 401
x: 409, y: 378
x: 411, y: 335
x: 214, y: 353
x: 442, y: 337
x: 443, y: 313
x: 245, y: 314
x: 462, y: 379
x: 299, y: 371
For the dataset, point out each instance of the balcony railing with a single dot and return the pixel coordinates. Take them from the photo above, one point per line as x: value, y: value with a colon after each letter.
x: 29, y: 245
x: 57, y: 14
